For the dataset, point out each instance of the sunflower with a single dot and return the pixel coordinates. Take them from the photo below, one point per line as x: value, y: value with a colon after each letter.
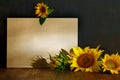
x: 111, y: 63
x: 41, y: 10
x: 85, y: 59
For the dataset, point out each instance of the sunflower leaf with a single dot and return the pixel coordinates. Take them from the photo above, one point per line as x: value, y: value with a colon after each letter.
x: 50, y: 11
x: 42, y: 20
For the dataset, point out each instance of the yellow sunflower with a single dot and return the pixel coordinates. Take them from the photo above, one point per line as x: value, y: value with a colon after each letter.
x: 85, y: 59
x: 41, y: 10
x: 111, y: 63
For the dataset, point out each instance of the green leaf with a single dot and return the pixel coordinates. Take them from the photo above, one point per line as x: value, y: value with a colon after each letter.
x: 64, y: 56
x: 50, y: 11
x: 42, y: 20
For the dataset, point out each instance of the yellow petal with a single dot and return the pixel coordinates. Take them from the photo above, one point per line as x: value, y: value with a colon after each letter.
x: 86, y: 49
x: 114, y: 71
x: 77, y: 69
x: 89, y: 70
x: 80, y: 50
x: 75, y: 52
x: 104, y: 70
x: 37, y: 12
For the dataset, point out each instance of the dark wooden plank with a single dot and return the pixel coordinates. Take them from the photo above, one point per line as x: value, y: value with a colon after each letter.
x: 47, y: 74
x: 16, y: 74
x: 86, y: 76
x: 44, y: 74
x: 27, y: 74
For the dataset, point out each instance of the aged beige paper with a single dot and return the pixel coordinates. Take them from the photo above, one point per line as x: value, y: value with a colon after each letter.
x: 26, y: 39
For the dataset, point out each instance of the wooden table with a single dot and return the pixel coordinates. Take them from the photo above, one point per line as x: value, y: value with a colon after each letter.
x: 47, y: 74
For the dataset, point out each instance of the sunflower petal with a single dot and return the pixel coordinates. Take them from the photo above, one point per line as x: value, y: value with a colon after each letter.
x: 77, y: 69
x: 75, y: 52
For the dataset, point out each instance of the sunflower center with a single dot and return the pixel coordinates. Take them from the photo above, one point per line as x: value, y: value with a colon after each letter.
x: 43, y: 9
x: 110, y: 64
x: 85, y: 60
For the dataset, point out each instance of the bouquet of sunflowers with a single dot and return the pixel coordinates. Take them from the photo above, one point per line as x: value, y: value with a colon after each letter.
x: 85, y: 60
x: 77, y: 59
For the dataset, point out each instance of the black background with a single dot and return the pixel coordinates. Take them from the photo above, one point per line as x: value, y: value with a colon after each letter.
x: 99, y: 21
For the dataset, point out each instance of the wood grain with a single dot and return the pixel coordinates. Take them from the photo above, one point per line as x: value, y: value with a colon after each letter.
x: 47, y: 74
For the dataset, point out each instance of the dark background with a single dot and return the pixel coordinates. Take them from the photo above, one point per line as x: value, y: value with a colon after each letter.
x: 99, y: 21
